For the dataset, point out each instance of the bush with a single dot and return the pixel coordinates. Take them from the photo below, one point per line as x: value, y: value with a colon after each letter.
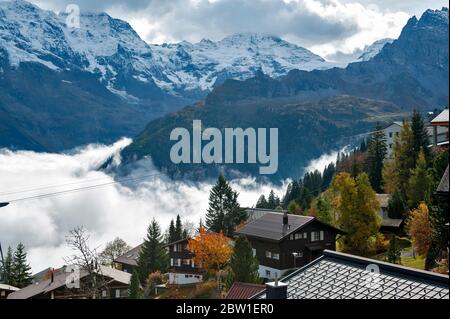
x: 206, y: 290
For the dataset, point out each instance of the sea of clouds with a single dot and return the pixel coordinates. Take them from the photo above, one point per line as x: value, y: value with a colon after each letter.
x: 122, y: 209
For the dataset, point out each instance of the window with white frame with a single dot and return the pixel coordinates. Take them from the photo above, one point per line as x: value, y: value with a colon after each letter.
x: 322, y: 235
x: 117, y: 293
x: 305, y: 235
x: 276, y: 256
x: 268, y: 254
x: 315, y: 236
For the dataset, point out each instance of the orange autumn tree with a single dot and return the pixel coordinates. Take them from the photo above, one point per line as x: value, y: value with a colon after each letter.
x: 419, y: 228
x: 211, y: 250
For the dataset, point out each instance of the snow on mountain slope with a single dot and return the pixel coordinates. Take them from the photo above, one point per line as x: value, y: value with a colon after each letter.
x: 111, y: 48
x: 372, y: 50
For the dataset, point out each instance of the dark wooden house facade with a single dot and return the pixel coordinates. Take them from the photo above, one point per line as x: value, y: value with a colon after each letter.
x: 182, y: 268
x: 282, y: 241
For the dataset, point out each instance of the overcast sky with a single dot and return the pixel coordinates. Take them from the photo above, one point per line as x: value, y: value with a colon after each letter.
x: 331, y: 28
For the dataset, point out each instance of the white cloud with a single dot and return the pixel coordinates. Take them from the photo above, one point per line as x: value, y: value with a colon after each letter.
x: 107, y: 212
x: 330, y: 28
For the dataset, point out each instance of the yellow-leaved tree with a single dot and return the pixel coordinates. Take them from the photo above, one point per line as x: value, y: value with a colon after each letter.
x: 357, y: 207
x: 419, y: 228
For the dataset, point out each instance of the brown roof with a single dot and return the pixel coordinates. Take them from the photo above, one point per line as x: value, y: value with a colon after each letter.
x: 130, y: 257
x: 59, y: 280
x: 241, y: 290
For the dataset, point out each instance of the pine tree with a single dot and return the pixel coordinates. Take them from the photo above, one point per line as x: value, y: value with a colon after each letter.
x: 271, y: 201
x: 305, y: 199
x: 377, y: 151
x: 152, y: 256
x: 7, y: 267
x: 419, y: 183
x: 397, y: 208
x: 171, y: 236
x: 327, y: 176
x: 244, y: 265
x: 292, y: 193
x: 178, y: 229
x: 394, y: 251
x: 363, y: 146
x: 20, y: 269
x: 421, y: 140
x: 134, y: 288
x: 224, y: 212
x: 404, y: 158
x: 262, y: 202
x: 313, y: 182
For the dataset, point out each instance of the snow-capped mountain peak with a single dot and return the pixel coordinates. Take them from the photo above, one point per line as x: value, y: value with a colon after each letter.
x: 372, y: 50
x: 111, y: 48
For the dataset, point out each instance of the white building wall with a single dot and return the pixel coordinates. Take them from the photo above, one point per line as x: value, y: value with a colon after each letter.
x: 390, y: 133
x: 270, y: 273
x: 184, y: 279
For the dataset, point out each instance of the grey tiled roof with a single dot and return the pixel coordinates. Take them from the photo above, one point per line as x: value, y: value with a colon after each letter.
x: 270, y: 226
x: 130, y: 257
x: 343, y: 276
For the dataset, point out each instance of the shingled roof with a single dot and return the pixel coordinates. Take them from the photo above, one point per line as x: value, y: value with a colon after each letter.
x: 342, y: 276
x: 242, y: 290
x: 60, y: 279
x: 130, y: 257
x: 270, y: 226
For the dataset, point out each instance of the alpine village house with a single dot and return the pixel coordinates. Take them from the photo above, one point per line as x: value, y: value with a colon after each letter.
x: 283, y: 241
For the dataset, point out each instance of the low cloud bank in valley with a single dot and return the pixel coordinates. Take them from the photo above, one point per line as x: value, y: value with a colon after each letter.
x: 116, y: 209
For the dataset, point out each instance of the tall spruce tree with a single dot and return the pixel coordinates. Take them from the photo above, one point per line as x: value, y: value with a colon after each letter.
x: 7, y: 267
x: 224, y: 212
x: 421, y: 141
x: 327, y: 175
x: 394, y: 251
x: 178, y: 228
x: 152, y: 256
x: 419, y: 184
x: 243, y: 264
x: 404, y: 158
x: 377, y: 151
x: 20, y: 269
x: 397, y: 208
x: 262, y: 202
x: 171, y: 236
x: 271, y: 200
x: 134, y: 288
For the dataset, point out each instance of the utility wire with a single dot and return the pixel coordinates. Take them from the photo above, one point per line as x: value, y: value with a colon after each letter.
x: 80, y: 189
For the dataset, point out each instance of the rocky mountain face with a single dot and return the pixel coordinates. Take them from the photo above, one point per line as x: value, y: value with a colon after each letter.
x: 111, y: 49
x: 102, y: 81
x: 318, y: 110
x: 411, y: 72
x: 372, y: 50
